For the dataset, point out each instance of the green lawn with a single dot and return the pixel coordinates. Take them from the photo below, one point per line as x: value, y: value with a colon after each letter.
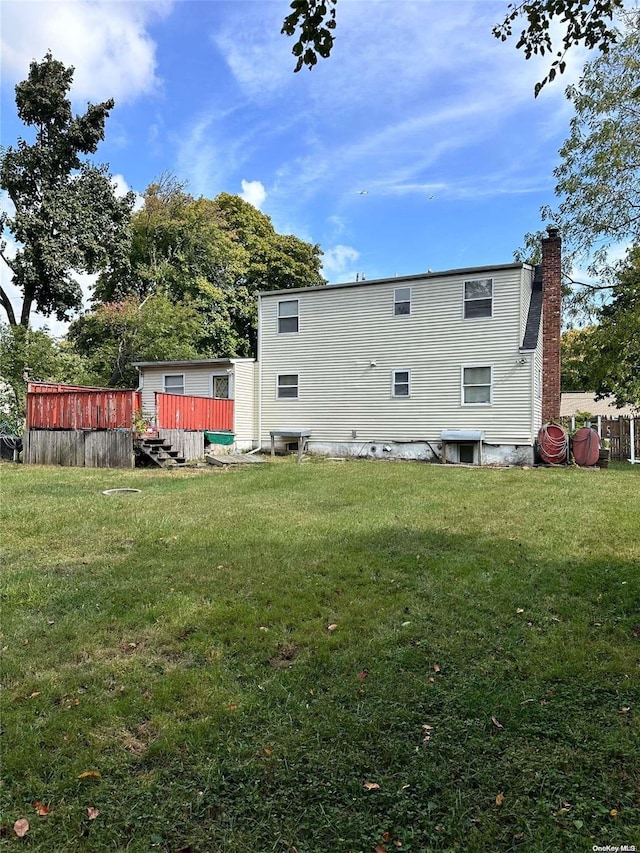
x: 322, y: 657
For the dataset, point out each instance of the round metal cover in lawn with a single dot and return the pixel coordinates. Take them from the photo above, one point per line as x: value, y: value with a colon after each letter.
x: 121, y: 492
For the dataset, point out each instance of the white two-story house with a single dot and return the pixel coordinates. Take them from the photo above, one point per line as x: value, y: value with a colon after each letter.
x: 390, y: 368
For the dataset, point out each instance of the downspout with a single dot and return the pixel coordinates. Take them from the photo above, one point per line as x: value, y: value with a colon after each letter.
x: 259, y: 371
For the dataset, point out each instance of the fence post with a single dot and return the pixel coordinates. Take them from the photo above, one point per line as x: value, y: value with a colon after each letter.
x: 632, y: 440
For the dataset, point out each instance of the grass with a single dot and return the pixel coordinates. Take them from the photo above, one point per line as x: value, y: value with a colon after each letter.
x: 482, y: 667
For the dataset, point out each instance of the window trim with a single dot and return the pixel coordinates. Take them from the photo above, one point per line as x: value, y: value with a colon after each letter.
x: 397, y: 301
x: 476, y: 299
x: 394, y: 383
x: 290, y: 317
x: 224, y: 374
x: 279, y: 386
x: 165, y: 376
x: 464, y: 367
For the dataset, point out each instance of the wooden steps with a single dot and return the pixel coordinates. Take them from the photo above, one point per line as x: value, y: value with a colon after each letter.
x: 160, y: 452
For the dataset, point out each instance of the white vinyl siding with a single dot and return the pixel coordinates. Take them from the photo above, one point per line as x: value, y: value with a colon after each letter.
x: 402, y: 301
x: 348, y: 350
x: 288, y: 318
x: 244, y: 403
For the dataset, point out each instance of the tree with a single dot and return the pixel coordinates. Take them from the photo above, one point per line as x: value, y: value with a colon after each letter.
x: 612, y: 351
x: 598, y: 180
x: 576, y: 371
x: 214, y: 254
x: 67, y: 217
x: 116, y: 334
x: 585, y: 22
x: 31, y: 354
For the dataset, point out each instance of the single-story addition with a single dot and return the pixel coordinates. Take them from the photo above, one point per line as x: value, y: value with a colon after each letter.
x: 397, y: 367
x: 225, y: 386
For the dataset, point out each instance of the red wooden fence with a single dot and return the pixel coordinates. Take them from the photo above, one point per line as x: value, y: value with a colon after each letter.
x: 175, y: 411
x: 71, y: 407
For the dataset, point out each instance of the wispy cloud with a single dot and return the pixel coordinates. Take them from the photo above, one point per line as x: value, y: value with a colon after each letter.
x: 339, y: 260
x: 108, y: 44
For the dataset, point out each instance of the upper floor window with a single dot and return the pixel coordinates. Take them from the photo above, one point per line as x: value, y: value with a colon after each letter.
x: 287, y: 386
x: 476, y: 384
x: 478, y: 298
x: 288, y: 316
x: 173, y: 383
x: 401, y: 301
x: 221, y: 386
x: 401, y: 383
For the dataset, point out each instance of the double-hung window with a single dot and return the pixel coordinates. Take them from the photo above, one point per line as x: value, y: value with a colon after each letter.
x: 288, y: 311
x: 287, y: 387
x: 173, y: 383
x: 401, y: 383
x: 401, y: 301
x: 476, y: 385
x: 478, y: 298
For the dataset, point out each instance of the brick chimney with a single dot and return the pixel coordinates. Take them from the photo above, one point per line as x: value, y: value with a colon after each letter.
x: 551, y: 323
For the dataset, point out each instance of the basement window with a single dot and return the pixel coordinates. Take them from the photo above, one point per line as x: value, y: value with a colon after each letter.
x: 478, y: 298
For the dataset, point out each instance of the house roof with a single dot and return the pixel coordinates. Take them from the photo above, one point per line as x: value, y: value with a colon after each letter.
x: 397, y: 279
x: 190, y: 362
x: 573, y: 402
x: 532, y: 330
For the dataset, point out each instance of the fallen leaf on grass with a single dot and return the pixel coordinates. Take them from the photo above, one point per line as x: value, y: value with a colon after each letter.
x: 436, y: 667
x: 21, y: 827
x: 34, y: 694
x: 386, y: 836
x: 90, y: 774
x: 614, y: 813
x: 379, y: 848
x: 363, y: 674
x: 496, y: 723
x: 500, y: 799
x: 41, y: 808
x: 371, y: 786
x: 232, y: 707
x: 426, y: 732
x: 520, y: 610
x: 432, y: 680
x: 92, y: 813
x: 332, y: 627
x: 625, y: 710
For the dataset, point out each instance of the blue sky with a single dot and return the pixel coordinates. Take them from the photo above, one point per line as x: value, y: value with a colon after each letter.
x: 419, y: 106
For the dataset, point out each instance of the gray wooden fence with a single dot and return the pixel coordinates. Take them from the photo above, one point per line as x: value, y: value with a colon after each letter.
x: 79, y: 448
x: 619, y: 432
x: 189, y: 444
